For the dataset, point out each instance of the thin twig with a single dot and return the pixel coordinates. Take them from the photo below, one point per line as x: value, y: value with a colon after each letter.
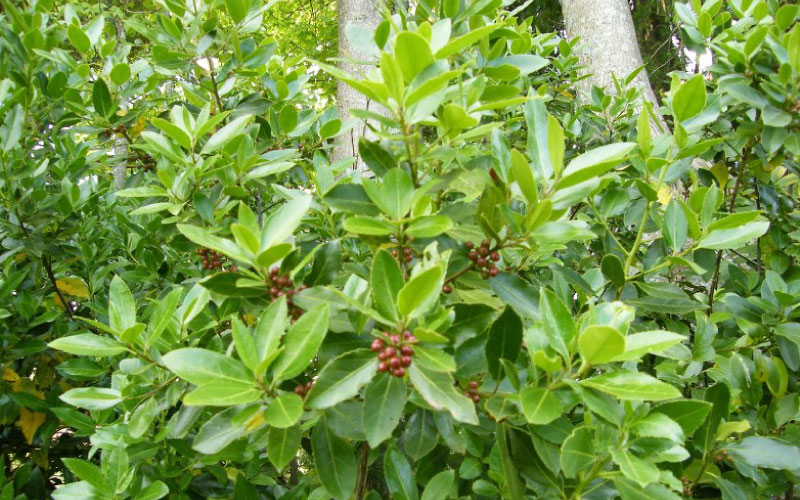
x: 361, y: 484
x: 211, y: 71
x: 49, y: 270
x: 712, y: 288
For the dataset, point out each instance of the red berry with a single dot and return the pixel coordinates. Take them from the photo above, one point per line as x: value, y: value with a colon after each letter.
x: 400, y: 372
x: 405, y: 361
x: 408, y: 251
x: 394, y: 253
x: 407, y: 350
x: 395, y: 339
x: 382, y: 367
x: 470, y: 245
x: 493, y: 272
x: 273, y: 290
x: 447, y: 289
x: 389, y: 352
x: 493, y: 174
x: 377, y: 345
x: 300, y: 390
x: 481, y: 262
x: 382, y: 355
x: 472, y: 255
x: 474, y: 384
x: 412, y: 339
x: 494, y: 256
x: 483, y: 252
x: 394, y: 362
x: 406, y: 333
x: 476, y: 398
x: 486, y: 243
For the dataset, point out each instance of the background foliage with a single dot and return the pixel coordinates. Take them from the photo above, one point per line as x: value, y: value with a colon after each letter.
x: 525, y: 297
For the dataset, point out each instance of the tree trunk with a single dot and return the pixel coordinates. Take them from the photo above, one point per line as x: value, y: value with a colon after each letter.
x: 608, y: 44
x: 364, y: 14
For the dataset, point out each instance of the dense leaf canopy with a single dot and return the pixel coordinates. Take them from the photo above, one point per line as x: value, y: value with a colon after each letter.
x: 524, y: 296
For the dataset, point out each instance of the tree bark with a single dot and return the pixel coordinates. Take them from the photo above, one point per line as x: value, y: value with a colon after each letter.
x: 366, y: 15
x: 608, y: 44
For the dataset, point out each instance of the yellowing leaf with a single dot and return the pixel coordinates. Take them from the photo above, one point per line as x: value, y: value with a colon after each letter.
x: 254, y: 422
x: 39, y: 457
x: 10, y: 375
x: 29, y: 421
x: 23, y: 384
x: 664, y: 195
x: 57, y: 301
x: 138, y: 126
x: 73, y: 286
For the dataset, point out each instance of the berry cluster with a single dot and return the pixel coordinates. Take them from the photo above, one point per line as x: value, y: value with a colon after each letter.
x: 793, y: 105
x: 687, y: 486
x: 397, y: 355
x: 484, y: 258
x: 722, y: 455
x: 213, y: 260
x: 281, y: 285
x: 406, y: 255
x: 148, y: 163
x: 472, y: 392
x: 302, y: 389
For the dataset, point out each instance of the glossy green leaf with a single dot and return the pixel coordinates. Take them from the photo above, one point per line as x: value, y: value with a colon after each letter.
x: 439, y: 486
x: 722, y: 239
x: 429, y: 226
x: 419, y: 291
x: 437, y: 389
x: 653, y: 341
x: 368, y: 225
x: 282, y: 445
x: 412, y: 52
x: 92, y: 398
x: 599, y: 344
x: 399, y: 475
x: 634, y: 468
x: 387, y: 280
x: 88, y: 344
x: 675, y: 226
x: 577, y: 452
x: 301, y: 343
x: 540, y: 405
x: 632, y: 386
x: 505, y: 341
x: 342, y: 378
x: 223, y: 393
x: 284, y: 411
x: 384, y: 401
x: 594, y: 163
x: 335, y: 462
x: 690, y: 98
x: 201, y: 366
